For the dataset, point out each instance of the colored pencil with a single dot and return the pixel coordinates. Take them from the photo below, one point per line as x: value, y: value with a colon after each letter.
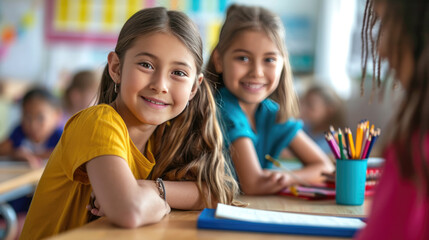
x: 359, y: 133
x: 340, y: 144
x: 333, y: 145
x: 373, y: 140
x: 351, y: 144
x: 347, y: 145
x: 334, y: 134
x: 365, y: 149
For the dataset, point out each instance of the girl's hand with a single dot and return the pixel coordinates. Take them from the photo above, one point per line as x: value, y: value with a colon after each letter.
x: 280, y: 179
x: 94, y: 207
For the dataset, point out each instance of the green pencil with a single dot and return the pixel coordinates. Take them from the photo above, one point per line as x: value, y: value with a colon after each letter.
x: 340, y: 143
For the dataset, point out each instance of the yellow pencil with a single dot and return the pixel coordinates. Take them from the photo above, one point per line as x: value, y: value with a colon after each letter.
x: 359, y: 132
x: 351, y: 144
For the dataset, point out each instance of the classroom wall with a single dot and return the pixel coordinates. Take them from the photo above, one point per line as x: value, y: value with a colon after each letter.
x: 51, y: 38
x: 40, y: 45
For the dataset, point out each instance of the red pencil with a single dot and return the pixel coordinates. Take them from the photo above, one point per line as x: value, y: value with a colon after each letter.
x: 365, y: 149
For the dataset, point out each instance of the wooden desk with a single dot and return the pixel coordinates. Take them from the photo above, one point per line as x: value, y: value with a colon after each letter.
x: 16, y: 180
x: 183, y: 224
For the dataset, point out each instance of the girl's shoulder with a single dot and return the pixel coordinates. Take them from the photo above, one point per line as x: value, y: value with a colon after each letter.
x: 270, y: 105
x: 227, y: 101
x: 96, y: 113
x: 224, y: 95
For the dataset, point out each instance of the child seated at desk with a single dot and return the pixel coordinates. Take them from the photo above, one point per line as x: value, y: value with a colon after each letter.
x: 321, y: 107
x: 36, y: 136
x: 257, y: 102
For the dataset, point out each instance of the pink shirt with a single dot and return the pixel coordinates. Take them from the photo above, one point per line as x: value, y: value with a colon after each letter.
x: 399, y: 209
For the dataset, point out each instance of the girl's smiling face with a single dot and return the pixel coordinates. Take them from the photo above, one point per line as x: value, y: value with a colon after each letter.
x: 156, y: 79
x: 251, y: 66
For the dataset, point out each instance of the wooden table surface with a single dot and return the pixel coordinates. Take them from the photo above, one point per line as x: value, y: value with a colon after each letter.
x: 183, y: 224
x: 17, y: 179
x: 13, y: 177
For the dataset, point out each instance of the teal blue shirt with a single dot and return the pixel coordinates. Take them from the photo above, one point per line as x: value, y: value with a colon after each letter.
x: 270, y: 137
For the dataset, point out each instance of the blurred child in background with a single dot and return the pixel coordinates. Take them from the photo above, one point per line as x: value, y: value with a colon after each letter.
x: 80, y: 93
x: 36, y: 136
x: 321, y: 107
x: 400, y: 208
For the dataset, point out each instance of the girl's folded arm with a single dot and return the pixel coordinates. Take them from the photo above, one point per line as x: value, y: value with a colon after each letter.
x: 253, y: 179
x: 125, y: 201
x: 314, y: 159
x: 184, y: 195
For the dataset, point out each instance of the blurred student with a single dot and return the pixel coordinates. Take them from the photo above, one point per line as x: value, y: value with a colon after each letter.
x: 36, y: 136
x: 321, y: 107
x: 400, y: 208
x: 257, y: 102
x: 80, y: 93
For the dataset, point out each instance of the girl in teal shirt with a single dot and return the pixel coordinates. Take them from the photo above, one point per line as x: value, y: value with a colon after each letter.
x: 257, y: 102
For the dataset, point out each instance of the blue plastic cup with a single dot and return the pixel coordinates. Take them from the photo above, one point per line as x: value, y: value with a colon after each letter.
x: 350, y: 181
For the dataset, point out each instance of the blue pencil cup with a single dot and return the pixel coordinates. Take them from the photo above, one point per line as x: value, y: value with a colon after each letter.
x: 350, y: 181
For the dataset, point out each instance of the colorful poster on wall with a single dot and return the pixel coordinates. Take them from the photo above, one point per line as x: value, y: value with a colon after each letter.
x: 99, y: 21
x: 21, y: 39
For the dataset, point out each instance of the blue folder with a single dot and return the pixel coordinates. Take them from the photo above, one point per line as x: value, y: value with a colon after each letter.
x: 207, y: 220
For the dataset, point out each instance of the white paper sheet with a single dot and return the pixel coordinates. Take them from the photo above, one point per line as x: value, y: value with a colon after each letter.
x: 273, y: 217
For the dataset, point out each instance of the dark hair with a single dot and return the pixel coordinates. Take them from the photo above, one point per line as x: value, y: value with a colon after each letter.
x: 43, y: 94
x: 190, y: 147
x: 406, y: 23
x: 244, y: 18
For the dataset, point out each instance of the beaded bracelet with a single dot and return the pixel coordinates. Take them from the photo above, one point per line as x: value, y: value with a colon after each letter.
x: 161, y: 188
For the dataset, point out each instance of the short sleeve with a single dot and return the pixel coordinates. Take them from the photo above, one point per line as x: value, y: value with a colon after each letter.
x: 54, y: 138
x: 233, y: 120
x: 282, y: 134
x: 17, y: 136
x: 96, y: 132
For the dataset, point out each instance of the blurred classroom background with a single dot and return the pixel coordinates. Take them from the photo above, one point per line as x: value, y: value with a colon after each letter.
x: 46, y: 42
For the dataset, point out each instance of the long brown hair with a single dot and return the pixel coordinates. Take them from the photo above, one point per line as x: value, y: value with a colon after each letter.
x: 406, y: 23
x: 244, y: 18
x: 190, y: 146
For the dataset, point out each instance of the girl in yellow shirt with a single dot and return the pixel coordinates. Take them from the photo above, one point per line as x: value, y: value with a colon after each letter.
x: 155, y: 120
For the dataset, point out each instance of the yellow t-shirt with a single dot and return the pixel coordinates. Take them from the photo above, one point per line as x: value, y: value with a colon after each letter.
x: 63, y: 192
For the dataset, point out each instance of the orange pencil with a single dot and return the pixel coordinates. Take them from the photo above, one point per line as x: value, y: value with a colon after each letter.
x: 359, y: 133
